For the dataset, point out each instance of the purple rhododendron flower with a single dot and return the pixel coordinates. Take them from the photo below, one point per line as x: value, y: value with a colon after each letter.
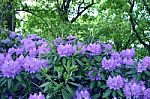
x: 82, y: 94
x: 43, y: 48
x: 66, y: 50
x: 19, y: 50
x: 28, y: 44
x: 93, y: 49
x: 128, y: 53
x: 36, y: 96
x: 71, y: 39
x: 1, y: 59
x: 144, y: 64
x: 133, y: 89
x: 109, y: 64
x: 106, y: 47
x: 21, y: 60
x: 13, y: 35
x: 147, y: 93
x: 33, y: 52
x: 33, y: 65
x: 128, y: 61
x: 10, y: 68
x: 58, y: 41
x: 115, y: 82
x: 11, y: 51
x: 116, y: 56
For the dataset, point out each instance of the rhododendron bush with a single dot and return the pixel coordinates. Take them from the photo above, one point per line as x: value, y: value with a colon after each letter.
x: 67, y: 68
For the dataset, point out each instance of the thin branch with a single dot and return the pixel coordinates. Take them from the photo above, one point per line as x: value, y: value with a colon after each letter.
x: 33, y: 10
x: 128, y: 41
x: 79, y: 13
x: 40, y: 18
x: 147, y: 7
x: 133, y: 25
x: 79, y: 7
x: 67, y: 4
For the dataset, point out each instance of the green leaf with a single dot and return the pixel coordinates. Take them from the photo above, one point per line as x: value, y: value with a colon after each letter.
x: 69, y: 63
x: 138, y: 77
x: 120, y: 92
x: 147, y: 73
x: 114, y: 93
x: 103, y: 77
x: 79, y: 62
x: 45, y: 84
x: 38, y: 76
x: 92, y: 84
x: 131, y: 72
x: 3, y: 81
x: 69, y: 89
x: 64, y: 61
x: 19, y: 78
x: 65, y: 94
x: 97, y: 58
x: 58, y: 86
x: 9, y: 83
x: 107, y: 93
x: 96, y: 96
x: 75, y: 84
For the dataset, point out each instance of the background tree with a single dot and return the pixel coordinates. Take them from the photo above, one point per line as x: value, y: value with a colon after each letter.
x: 106, y: 20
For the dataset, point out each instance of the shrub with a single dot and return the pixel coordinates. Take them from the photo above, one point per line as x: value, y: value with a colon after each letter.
x: 71, y: 69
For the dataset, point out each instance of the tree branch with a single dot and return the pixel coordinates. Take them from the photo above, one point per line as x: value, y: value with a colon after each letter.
x: 133, y: 24
x: 128, y: 41
x: 146, y: 5
x: 40, y: 18
x: 79, y: 13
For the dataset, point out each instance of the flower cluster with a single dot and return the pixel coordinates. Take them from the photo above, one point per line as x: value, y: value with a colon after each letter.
x: 92, y: 49
x: 115, y: 82
x: 109, y: 64
x: 127, y: 56
x: 82, y: 94
x: 25, y: 56
x: 33, y: 65
x: 134, y: 89
x: 66, y: 50
x: 10, y: 68
x: 71, y: 39
x: 36, y: 96
x: 144, y: 64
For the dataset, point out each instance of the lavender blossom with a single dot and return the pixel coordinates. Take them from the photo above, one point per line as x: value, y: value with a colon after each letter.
x: 115, y: 82
x: 82, y: 94
x: 13, y: 35
x: 128, y: 53
x: 144, y: 64
x: 93, y: 49
x: 71, y: 39
x: 128, y: 61
x: 116, y: 56
x: 58, y: 41
x: 10, y: 68
x: 33, y: 65
x: 1, y: 59
x: 66, y: 50
x: 109, y: 64
x: 43, y: 48
x: 133, y: 89
x: 106, y: 47
x: 35, y: 96
x: 28, y: 43
x: 147, y: 93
